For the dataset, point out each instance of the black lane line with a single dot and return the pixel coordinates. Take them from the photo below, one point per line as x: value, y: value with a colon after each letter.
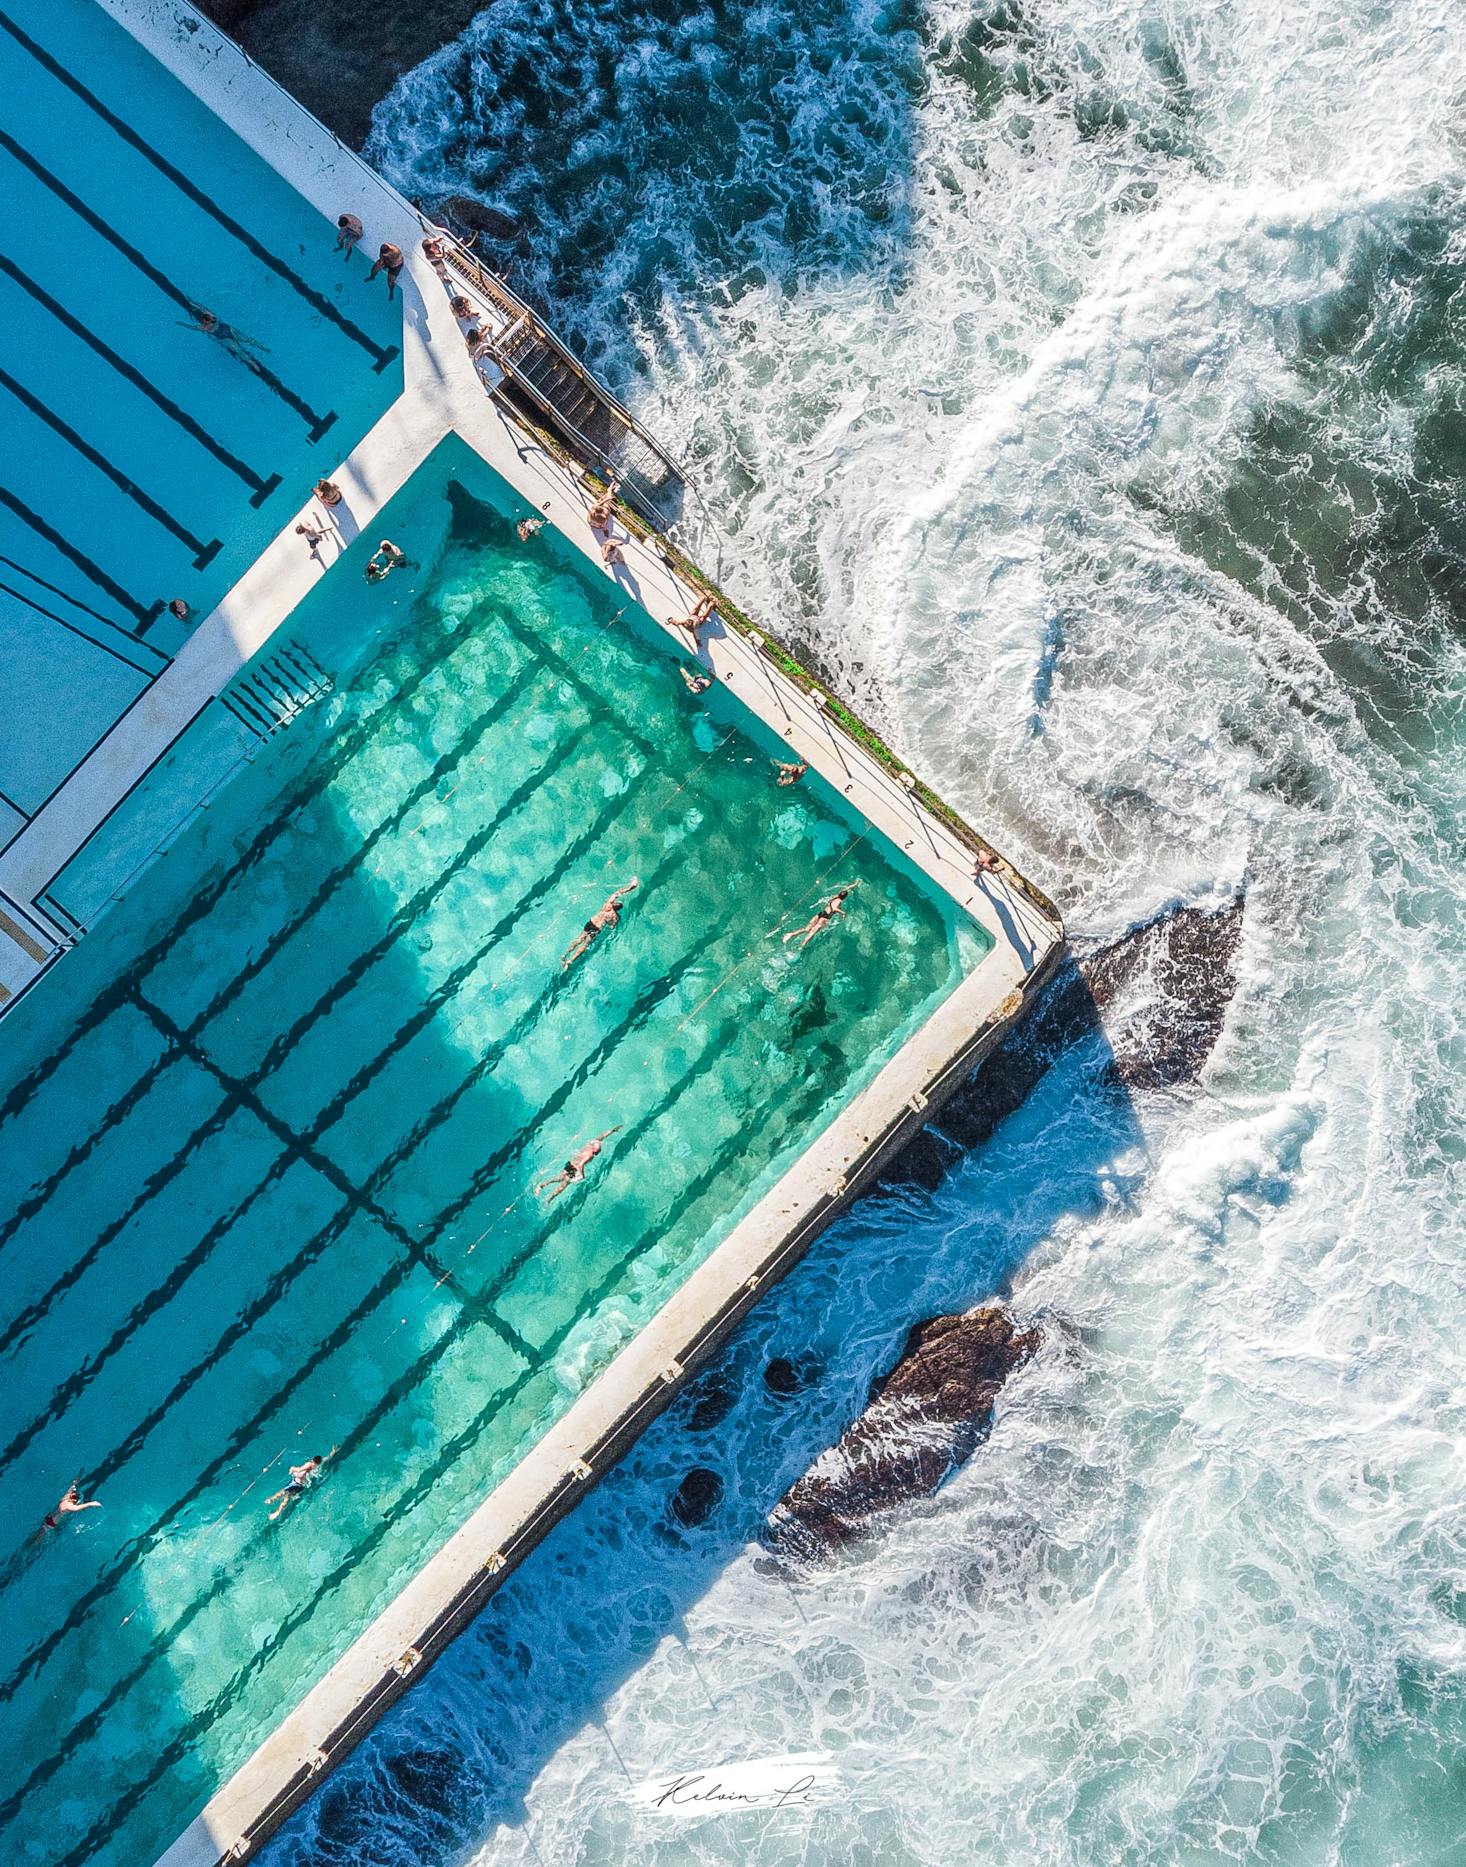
x: 75, y: 628
x: 317, y: 424
x: 66, y: 597
x: 337, y: 878
x: 77, y: 1383
x: 282, y: 1045
x: 199, y: 198
x: 160, y: 1178
x: 396, y: 1273
x: 204, y: 554
x: 144, y: 613
x: 38, y: 1196
x: 262, y: 487
x: 281, y: 1280
x: 246, y: 1097
x: 325, y: 766
x: 452, y: 1451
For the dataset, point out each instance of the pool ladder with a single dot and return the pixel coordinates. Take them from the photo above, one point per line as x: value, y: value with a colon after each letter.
x: 278, y: 690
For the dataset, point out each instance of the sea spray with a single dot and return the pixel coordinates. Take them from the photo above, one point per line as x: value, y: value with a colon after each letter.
x: 1085, y: 385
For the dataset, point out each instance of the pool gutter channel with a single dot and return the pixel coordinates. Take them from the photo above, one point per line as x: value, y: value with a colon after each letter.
x: 442, y: 396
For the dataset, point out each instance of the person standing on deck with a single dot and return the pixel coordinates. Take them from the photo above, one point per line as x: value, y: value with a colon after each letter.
x: 829, y: 909
x: 389, y: 260
x: 608, y: 914
x: 574, y: 1168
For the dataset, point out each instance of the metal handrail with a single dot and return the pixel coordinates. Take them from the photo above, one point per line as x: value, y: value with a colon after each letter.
x: 489, y: 283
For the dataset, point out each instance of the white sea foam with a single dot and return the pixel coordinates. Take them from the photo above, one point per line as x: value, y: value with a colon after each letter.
x: 1081, y: 401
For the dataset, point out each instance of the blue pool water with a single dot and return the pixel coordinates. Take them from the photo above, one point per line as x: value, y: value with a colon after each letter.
x: 143, y: 460
x: 273, y: 1135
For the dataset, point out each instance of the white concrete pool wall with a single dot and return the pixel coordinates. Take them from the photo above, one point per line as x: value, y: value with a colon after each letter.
x: 443, y: 393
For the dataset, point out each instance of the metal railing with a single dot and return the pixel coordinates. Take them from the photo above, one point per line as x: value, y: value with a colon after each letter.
x: 563, y: 391
x: 653, y: 481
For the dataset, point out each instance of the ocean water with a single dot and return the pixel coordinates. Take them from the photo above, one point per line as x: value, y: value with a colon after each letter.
x: 1083, y: 384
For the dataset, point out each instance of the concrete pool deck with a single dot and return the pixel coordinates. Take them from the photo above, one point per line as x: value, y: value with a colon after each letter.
x: 444, y: 393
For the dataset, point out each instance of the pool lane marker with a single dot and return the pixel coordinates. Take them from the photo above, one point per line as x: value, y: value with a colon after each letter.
x: 203, y: 554
x: 148, y: 674
x: 318, y: 424
x: 145, y: 613
x: 200, y: 199
x: 262, y: 487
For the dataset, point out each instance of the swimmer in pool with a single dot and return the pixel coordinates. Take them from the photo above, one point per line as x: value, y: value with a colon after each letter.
x: 788, y: 774
x: 71, y: 1500
x: 608, y: 914
x: 574, y: 1168
x: 829, y: 909
x: 301, y: 1478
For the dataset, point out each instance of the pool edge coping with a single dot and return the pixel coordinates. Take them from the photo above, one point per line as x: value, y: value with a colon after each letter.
x: 452, y: 1587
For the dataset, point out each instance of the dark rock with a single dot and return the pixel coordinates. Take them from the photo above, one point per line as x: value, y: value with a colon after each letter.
x: 781, y: 1377
x: 1159, y: 995
x: 697, y: 1497
x: 712, y: 1399
x: 341, y: 61
x: 923, y: 1420
x: 925, y: 1161
x: 463, y: 215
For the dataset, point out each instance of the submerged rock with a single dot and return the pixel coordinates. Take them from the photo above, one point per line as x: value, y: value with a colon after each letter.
x: 697, y: 1497
x: 923, y: 1420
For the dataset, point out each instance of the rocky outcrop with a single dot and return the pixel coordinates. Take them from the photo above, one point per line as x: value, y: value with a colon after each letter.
x: 1158, y: 996
x: 923, y: 1420
x: 341, y: 61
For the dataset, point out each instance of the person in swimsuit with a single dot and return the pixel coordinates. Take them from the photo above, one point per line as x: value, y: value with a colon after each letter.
x: 240, y: 347
x: 301, y: 1478
x: 460, y: 306
x: 788, y: 774
x: 601, y: 513
x: 386, y: 558
x: 527, y: 527
x: 611, y: 552
x: 313, y: 535
x: 328, y: 492
x: 435, y: 255
x: 696, y: 618
x: 698, y: 683
x: 389, y: 260
x: 608, y: 914
x: 180, y: 609
x: 574, y: 1168
x: 348, y: 232
x: 829, y: 908
x: 71, y: 1500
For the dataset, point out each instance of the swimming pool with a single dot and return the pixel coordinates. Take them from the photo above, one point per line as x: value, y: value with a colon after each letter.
x: 276, y: 1128
x: 144, y: 460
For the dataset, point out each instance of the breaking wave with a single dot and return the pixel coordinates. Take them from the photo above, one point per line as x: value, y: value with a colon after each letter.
x: 1084, y: 385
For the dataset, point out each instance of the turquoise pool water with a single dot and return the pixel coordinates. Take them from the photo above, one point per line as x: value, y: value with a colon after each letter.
x: 143, y: 460
x: 272, y: 1135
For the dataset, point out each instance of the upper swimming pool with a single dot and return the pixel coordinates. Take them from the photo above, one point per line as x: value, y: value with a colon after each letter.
x: 273, y: 1135
x: 144, y: 460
